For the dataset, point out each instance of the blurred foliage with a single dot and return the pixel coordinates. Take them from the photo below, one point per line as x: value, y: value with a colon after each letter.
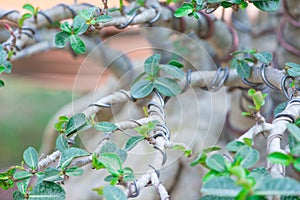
x: 25, y: 110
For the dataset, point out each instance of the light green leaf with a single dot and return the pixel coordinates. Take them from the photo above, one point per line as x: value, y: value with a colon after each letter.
x: 280, y: 158
x: 61, y: 38
x: 113, y: 193
x: 132, y: 142
x: 79, y: 25
x: 105, y: 126
x: 77, y: 44
x: 151, y: 65
x: 267, y: 5
x: 103, y: 18
x: 61, y: 143
x: 294, y: 69
x: 69, y: 154
x: 249, y: 156
x: 234, y: 146
x: 278, y: 186
x: 85, y: 14
x: 29, y: 7
x: 141, y: 88
x: 66, y: 27
x: 280, y: 107
x: 264, y: 57
x: 112, y: 163
x: 184, y: 10
x: 243, y: 69
x: 216, y: 162
x: 110, y: 147
x: 22, y: 185
x: 221, y: 186
x: 51, y: 174
x: 294, y: 130
x: 175, y: 72
x: 30, y: 157
x: 47, y: 191
x: 74, y: 171
x: 167, y: 86
x: 75, y: 123
x: 201, y: 159
x: 22, y: 175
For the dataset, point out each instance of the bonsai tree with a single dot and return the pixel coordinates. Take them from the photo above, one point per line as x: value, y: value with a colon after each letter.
x: 159, y: 129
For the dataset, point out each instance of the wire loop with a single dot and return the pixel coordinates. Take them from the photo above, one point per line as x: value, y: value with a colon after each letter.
x: 68, y: 8
x: 156, y: 17
x: 263, y: 75
x: 284, y: 88
x: 131, y: 18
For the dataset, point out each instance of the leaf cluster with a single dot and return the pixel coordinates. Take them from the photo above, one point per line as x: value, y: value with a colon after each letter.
x: 5, y: 65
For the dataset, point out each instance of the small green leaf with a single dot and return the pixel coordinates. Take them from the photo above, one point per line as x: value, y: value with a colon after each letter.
x: 226, y: 4
x: 105, y: 126
x: 216, y: 162
x: 247, y: 141
x: 22, y: 175
x: 167, y: 86
x: 51, y: 174
x: 61, y: 143
x: 103, y: 18
x: 66, y: 27
x: 201, y: 159
x: 280, y: 107
x: 211, y: 149
x: 246, y: 114
x: 47, y: 191
x: 280, y: 158
x: 2, y: 83
x: 17, y: 195
x: 77, y: 44
x: 30, y: 157
x: 132, y: 142
x: 223, y: 186
x: 238, y: 171
x: 264, y: 57
x: 113, y: 193
x: 75, y: 123
x: 74, y: 171
x: 110, y: 147
x: 294, y: 69
x: 175, y: 72
x: 112, y: 163
x: 141, y: 88
x: 151, y: 65
x: 184, y: 10
x: 22, y: 185
x: 176, y: 63
x: 61, y: 38
x: 29, y: 7
x: 294, y: 130
x: 211, y: 197
x: 234, y: 146
x: 267, y: 5
x: 69, y: 154
x: 79, y: 25
x: 243, y: 69
x: 85, y: 14
x: 249, y: 156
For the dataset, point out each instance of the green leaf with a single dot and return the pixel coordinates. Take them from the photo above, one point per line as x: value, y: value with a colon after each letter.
x: 103, y: 18
x: 243, y: 5
x: 29, y: 7
x: 280, y: 107
x: 22, y: 185
x: 74, y: 171
x: 267, y: 5
x: 249, y: 156
x: 51, y: 174
x: 176, y: 63
x: 151, y: 65
x: 105, y: 126
x: 216, y: 162
x: 17, y: 195
x: 22, y: 175
x: 112, y: 163
x: 85, y: 14
x: 211, y: 197
x: 128, y: 174
x: 293, y: 69
x: 243, y: 69
x: 141, y: 88
x: 61, y: 143
x: 61, y: 38
x: 201, y: 159
x: 296, y: 164
x: 69, y: 154
x: 2, y: 83
x: 113, y: 193
x: 65, y: 27
x: 167, y: 86
x: 110, y: 147
x: 278, y: 186
x: 234, y: 146
x: 294, y: 130
x: 79, y: 25
x: 184, y: 10
x: 30, y: 157
x: 226, y: 4
x: 132, y: 142
x: 77, y: 44
x: 47, y: 191
x: 211, y: 149
x: 175, y: 72
x: 280, y: 158
x: 247, y: 141
x: 75, y: 123
x: 221, y: 186
x: 264, y: 57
